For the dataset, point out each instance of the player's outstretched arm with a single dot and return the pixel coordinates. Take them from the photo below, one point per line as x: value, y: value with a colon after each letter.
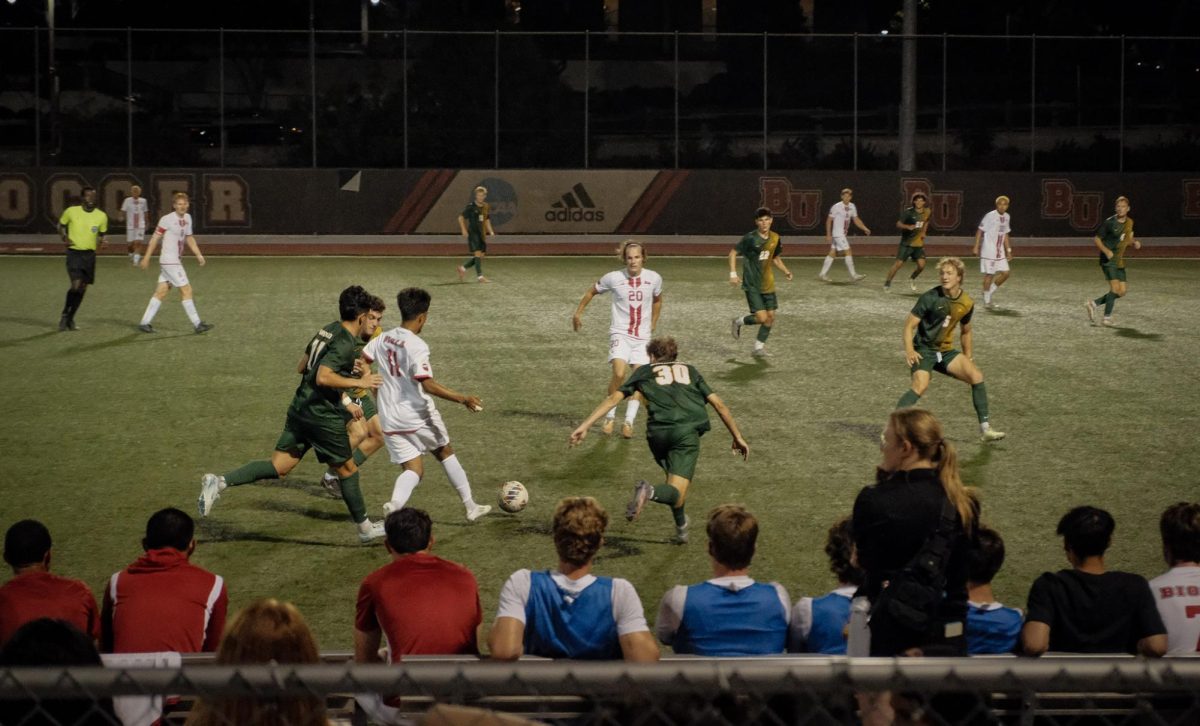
x: 195, y: 248
x: 911, y: 356
x: 434, y: 388
x: 577, y: 318
x: 739, y: 443
x: 733, y: 276
x: 580, y: 433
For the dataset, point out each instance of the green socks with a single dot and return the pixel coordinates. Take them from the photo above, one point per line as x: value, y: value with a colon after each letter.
x: 1109, y: 303
x: 749, y: 320
x: 479, y: 266
x: 254, y: 471
x: 352, y: 496
x: 909, y: 398
x: 979, y: 398
x: 359, y: 457
x: 469, y: 263
x: 669, y: 495
x: 763, y: 332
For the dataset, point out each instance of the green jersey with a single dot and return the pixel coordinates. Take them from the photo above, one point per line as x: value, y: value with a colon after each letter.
x: 940, y: 314
x: 1116, y: 235
x: 333, y: 347
x: 84, y: 228
x: 757, y: 253
x: 476, y: 216
x: 914, y: 237
x: 675, y: 393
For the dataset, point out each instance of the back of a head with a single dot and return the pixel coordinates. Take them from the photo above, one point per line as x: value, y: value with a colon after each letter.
x: 26, y: 543
x: 57, y: 643
x: 412, y: 301
x: 922, y: 429
x: 169, y: 527
x: 579, y: 524
x: 839, y: 547
x: 268, y: 630
x: 662, y: 349
x: 985, y: 556
x: 408, y: 530
x: 353, y: 301
x: 732, y: 535
x: 1180, y: 529
x: 1087, y: 531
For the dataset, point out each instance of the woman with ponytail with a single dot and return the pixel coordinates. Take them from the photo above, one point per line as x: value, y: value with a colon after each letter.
x: 894, y: 518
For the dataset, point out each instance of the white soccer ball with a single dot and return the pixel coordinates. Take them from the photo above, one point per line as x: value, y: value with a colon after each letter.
x: 513, y: 496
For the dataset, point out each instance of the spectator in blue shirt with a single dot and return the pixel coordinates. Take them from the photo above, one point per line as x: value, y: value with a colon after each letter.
x: 819, y: 623
x: 991, y: 627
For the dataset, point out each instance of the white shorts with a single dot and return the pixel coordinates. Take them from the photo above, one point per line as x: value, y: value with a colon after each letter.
x: 407, y: 445
x: 133, y: 234
x: 841, y: 244
x: 631, y: 350
x: 173, y: 275
x: 991, y: 267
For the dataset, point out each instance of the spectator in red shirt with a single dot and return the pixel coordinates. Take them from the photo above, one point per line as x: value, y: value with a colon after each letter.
x: 424, y: 604
x: 34, y: 593
x: 162, y: 602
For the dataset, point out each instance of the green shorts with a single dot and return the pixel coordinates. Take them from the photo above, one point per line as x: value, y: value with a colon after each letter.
x: 676, y: 449
x: 932, y: 360
x: 910, y: 253
x: 1112, y: 272
x: 328, y: 438
x: 761, y: 301
x: 476, y: 244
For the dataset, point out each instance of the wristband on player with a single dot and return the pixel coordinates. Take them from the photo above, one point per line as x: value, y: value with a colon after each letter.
x: 732, y: 273
x: 346, y: 400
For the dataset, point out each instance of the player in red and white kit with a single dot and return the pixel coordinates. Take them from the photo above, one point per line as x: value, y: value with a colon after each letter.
x: 136, y: 211
x: 410, y: 420
x: 837, y: 227
x: 994, y: 249
x: 633, y: 290
x: 1177, y: 591
x: 174, y: 230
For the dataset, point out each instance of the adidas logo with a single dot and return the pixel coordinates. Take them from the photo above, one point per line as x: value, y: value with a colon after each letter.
x: 575, y: 206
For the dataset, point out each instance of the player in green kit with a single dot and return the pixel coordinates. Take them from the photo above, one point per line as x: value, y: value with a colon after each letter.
x: 676, y: 397
x: 913, y: 224
x: 476, y: 223
x: 929, y: 342
x: 1112, y: 239
x: 759, y: 251
x: 317, y: 418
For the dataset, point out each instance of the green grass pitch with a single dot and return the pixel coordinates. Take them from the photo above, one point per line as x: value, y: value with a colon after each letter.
x: 106, y: 424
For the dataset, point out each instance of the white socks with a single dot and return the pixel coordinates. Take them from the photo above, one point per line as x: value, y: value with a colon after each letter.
x: 631, y: 410
x: 151, y: 310
x: 849, y: 265
x: 826, y: 265
x: 458, y: 479
x: 189, y: 306
x: 403, y: 488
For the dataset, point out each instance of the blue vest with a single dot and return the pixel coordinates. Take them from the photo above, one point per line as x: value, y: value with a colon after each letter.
x: 720, y: 622
x: 830, y: 613
x: 992, y: 631
x: 558, y: 628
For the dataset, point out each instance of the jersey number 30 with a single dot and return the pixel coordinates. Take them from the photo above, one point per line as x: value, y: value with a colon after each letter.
x: 665, y: 375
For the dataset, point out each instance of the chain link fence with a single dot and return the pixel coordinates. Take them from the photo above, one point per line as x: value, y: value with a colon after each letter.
x: 783, y: 690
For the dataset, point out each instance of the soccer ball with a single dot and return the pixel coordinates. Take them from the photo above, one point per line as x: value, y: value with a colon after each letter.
x: 513, y: 496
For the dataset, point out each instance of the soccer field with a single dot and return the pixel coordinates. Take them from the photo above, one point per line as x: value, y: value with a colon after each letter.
x: 108, y: 424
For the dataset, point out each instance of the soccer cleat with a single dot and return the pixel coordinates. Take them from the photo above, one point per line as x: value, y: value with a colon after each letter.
x: 481, y: 278
x: 71, y: 323
x: 333, y: 485
x: 1106, y: 322
x: 824, y: 278
x: 462, y: 273
x: 887, y: 287
x: 681, y: 531
x: 478, y: 511
x: 374, y: 532
x: 641, y: 495
x: 607, y: 428
x: 736, y: 328
x: 210, y: 492
x: 760, y: 353
x: 63, y: 323
x: 912, y: 284
x: 627, y: 430
x: 203, y: 327
x: 857, y: 278
x: 1091, y: 310
x: 147, y: 328
x: 991, y: 435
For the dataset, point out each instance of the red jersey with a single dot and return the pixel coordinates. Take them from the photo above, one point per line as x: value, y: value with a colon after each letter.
x: 424, y: 605
x: 163, y: 603
x: 39, y: 594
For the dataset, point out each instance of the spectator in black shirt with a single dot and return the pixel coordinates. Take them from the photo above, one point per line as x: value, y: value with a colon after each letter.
x: 1088, y: 609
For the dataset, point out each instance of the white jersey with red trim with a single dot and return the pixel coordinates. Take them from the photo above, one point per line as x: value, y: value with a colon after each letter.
x: 632, y: 301
x: 174, y: 230
x: 403, y: 361
x: 135, y: 212
x: 842, y: 213
x: 995, y: 226
x: 1177, y: 594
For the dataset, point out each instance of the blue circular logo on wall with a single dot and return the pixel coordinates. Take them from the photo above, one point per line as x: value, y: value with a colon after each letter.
x: 501, y: 197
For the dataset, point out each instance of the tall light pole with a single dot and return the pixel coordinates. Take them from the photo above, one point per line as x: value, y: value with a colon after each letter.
x: 908, y: 88
x: 55, y: 142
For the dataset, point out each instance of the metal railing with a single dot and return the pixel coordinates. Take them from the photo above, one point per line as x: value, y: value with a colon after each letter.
x: 507, y: 99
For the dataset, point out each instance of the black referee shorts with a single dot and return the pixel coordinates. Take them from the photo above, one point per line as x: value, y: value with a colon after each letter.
x: 81, y: 265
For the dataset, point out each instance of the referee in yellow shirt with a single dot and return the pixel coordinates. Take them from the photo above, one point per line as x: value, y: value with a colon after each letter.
x: 83, y: 229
